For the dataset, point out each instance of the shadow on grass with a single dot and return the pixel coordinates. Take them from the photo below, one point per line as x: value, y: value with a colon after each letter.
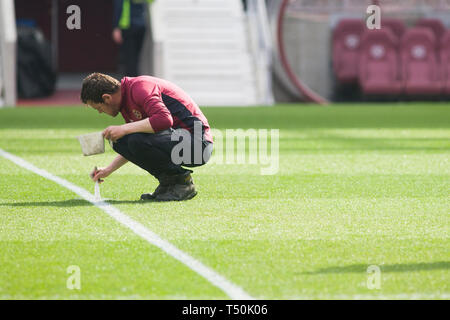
x: 68, y: 203
x: 400, y: 267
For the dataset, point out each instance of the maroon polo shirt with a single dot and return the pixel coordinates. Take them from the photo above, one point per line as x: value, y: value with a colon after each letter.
x: 162, y: 102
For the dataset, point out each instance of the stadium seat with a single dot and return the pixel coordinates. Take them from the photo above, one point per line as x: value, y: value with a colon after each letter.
x: 445, y: 62
x: 435, y: 25
x: 396, y: 25
x: 346, y: 45
x: 420, y: 69
x: 379, y: 63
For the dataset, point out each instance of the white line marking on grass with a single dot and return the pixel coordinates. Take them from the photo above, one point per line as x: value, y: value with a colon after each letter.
x: 233, y: 291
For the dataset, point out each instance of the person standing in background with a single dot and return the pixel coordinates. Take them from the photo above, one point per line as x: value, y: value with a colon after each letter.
x: 129, y: 30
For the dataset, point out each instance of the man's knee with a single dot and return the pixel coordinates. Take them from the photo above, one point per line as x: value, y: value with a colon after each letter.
x: 200, y: 159
x: 207, y: 152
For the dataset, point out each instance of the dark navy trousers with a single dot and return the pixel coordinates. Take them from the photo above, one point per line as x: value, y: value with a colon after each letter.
x: 153, y: 152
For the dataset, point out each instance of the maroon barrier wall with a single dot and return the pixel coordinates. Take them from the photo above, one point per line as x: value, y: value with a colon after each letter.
x: 86, y: 50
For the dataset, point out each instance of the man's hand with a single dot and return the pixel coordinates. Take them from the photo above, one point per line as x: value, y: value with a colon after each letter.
x: 117, y: 36
x: 98, y: 174
x: 114, y: 133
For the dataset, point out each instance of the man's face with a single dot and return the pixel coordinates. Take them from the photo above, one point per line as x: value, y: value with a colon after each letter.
x: 108, y: 106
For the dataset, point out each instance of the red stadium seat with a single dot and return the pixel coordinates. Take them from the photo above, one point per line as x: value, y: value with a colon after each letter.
x: 435, y: 25
x: 445, y: 62
x: 346, y: 45
x: 420, y: 69
x: 379, y: 63
x: 396, y: 25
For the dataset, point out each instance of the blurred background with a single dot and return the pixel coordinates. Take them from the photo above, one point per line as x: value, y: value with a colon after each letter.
x: 228, y: 52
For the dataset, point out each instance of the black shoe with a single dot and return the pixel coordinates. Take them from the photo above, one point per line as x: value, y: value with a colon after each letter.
x: 164, y: 182
x: 151, y: 196
x: 183, y: 188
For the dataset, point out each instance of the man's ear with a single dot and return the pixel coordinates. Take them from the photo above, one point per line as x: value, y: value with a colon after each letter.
x: 106, y: 98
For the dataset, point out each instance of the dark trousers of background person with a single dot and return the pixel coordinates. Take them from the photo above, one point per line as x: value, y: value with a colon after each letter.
x: 130, y: 50
x: 152, y: 152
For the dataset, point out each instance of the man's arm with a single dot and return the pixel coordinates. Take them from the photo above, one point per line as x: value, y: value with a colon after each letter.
x: 116, y: 132
x: 105, y: 172
x: 148, y: 95
x: 143, y: 125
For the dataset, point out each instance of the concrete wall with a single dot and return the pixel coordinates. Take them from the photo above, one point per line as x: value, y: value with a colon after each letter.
x: 308, y: 49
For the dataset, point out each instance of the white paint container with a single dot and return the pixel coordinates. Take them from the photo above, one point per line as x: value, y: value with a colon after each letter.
x: 92, y: 143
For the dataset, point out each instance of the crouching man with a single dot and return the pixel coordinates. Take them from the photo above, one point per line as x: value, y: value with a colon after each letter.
x: 160, y: 117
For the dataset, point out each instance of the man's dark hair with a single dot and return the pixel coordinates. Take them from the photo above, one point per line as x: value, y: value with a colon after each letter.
x: 96, y: 85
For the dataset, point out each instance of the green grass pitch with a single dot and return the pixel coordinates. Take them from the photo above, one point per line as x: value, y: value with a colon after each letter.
x: 358, y: 185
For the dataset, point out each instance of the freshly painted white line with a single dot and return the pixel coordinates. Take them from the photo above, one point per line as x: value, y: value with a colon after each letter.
x: 233, y: 291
